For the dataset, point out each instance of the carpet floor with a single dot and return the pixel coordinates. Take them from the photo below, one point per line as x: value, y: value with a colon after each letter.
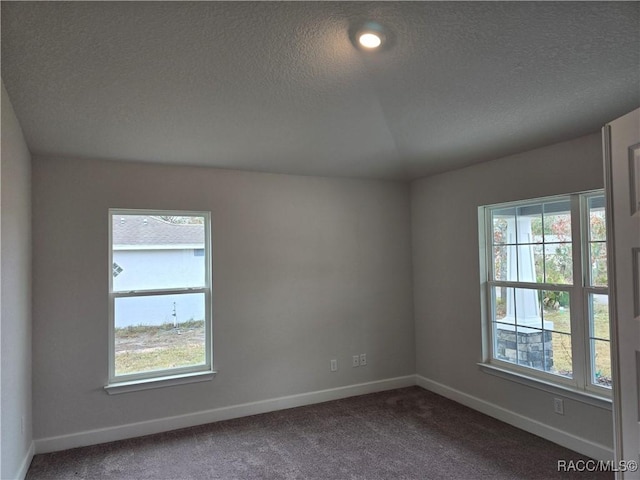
x: 408, y: 433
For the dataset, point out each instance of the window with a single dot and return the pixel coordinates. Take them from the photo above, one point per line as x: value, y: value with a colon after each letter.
x: 160, y: 295
x: 546, y: 287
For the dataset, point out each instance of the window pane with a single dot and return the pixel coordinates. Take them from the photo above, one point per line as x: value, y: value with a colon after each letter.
x: 503, y: 221
x: 500, y: 300
x: 536, y: 229
x: 523, y: 332
x: 159, y: 332
x: 504, y: 262
x: 505, y: 343
x: 597, y: 241
x: 529, y: 224
x: 530, y: 260
x: 525, y: 308
x: 561, y: 358
x: 157, y: 252
x: 558, y: 263
x: 557, y: 221
x: 555, y: 311
x: 504, y: 334
x: 601, y: 367
x: 597, y: 224
x: 598, y: 259
x: 529, y: 347
x: 599, y: 312
x: 534, y: 348
x: 538, y: 256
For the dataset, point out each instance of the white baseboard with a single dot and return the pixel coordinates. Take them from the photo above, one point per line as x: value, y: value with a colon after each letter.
x: 568, y: 440
x: 26, y: 462
x: 131, y: 430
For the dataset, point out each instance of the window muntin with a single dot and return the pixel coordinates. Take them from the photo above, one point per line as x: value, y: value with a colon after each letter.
x: 160, y: 302
x: 545, y: 314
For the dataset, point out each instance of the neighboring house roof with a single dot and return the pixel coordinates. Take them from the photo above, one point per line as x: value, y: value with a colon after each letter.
x: 146, y: 230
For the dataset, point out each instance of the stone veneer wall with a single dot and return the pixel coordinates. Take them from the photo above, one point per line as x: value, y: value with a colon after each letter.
x: 529, y: 347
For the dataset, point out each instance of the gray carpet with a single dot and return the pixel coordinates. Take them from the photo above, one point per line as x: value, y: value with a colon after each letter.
x: 408, y: 433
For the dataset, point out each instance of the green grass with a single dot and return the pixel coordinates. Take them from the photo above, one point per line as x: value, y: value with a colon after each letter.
x: 143, y: 348
x: 562, y: 347
x: 174, y: 357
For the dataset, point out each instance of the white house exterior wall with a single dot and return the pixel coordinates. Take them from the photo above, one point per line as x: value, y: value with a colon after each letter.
x: 157, y: 269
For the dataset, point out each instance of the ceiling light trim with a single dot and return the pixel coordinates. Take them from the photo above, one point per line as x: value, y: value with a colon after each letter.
x: 370, y: 36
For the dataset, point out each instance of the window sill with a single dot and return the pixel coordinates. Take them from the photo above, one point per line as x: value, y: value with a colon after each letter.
x: 580, y: 396
x: 158, y: 382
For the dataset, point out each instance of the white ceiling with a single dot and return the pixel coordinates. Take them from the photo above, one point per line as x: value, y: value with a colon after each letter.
x: 278, y: 87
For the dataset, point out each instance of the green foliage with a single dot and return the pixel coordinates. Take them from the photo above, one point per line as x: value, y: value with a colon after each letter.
x: 554, y: 300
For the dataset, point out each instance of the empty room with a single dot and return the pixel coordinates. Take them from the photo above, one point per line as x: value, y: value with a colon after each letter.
x: 320, y: 240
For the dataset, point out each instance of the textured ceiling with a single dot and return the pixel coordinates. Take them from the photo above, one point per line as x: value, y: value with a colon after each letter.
x: 278, y: 87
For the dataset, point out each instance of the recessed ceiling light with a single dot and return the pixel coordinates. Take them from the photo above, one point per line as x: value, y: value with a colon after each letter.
x: 370, y: 36
x: 369, y: 40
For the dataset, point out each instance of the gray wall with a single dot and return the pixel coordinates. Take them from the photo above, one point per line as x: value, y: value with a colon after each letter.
x: 305, y: 269
x: 15, y: 293
x: 446, y: 274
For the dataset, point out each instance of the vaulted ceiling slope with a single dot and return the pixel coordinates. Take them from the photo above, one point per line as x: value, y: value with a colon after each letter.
x: 278, y: 86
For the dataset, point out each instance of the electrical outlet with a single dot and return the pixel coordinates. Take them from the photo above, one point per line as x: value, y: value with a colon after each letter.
x: 334, y: 365
x: 363, y: 359
x: 558, y: 406
x: 356, y: 361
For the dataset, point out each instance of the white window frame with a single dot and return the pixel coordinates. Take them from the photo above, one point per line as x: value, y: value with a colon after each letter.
x: 579, y: 291
x: 172, y: 376
x: 589, y: 289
